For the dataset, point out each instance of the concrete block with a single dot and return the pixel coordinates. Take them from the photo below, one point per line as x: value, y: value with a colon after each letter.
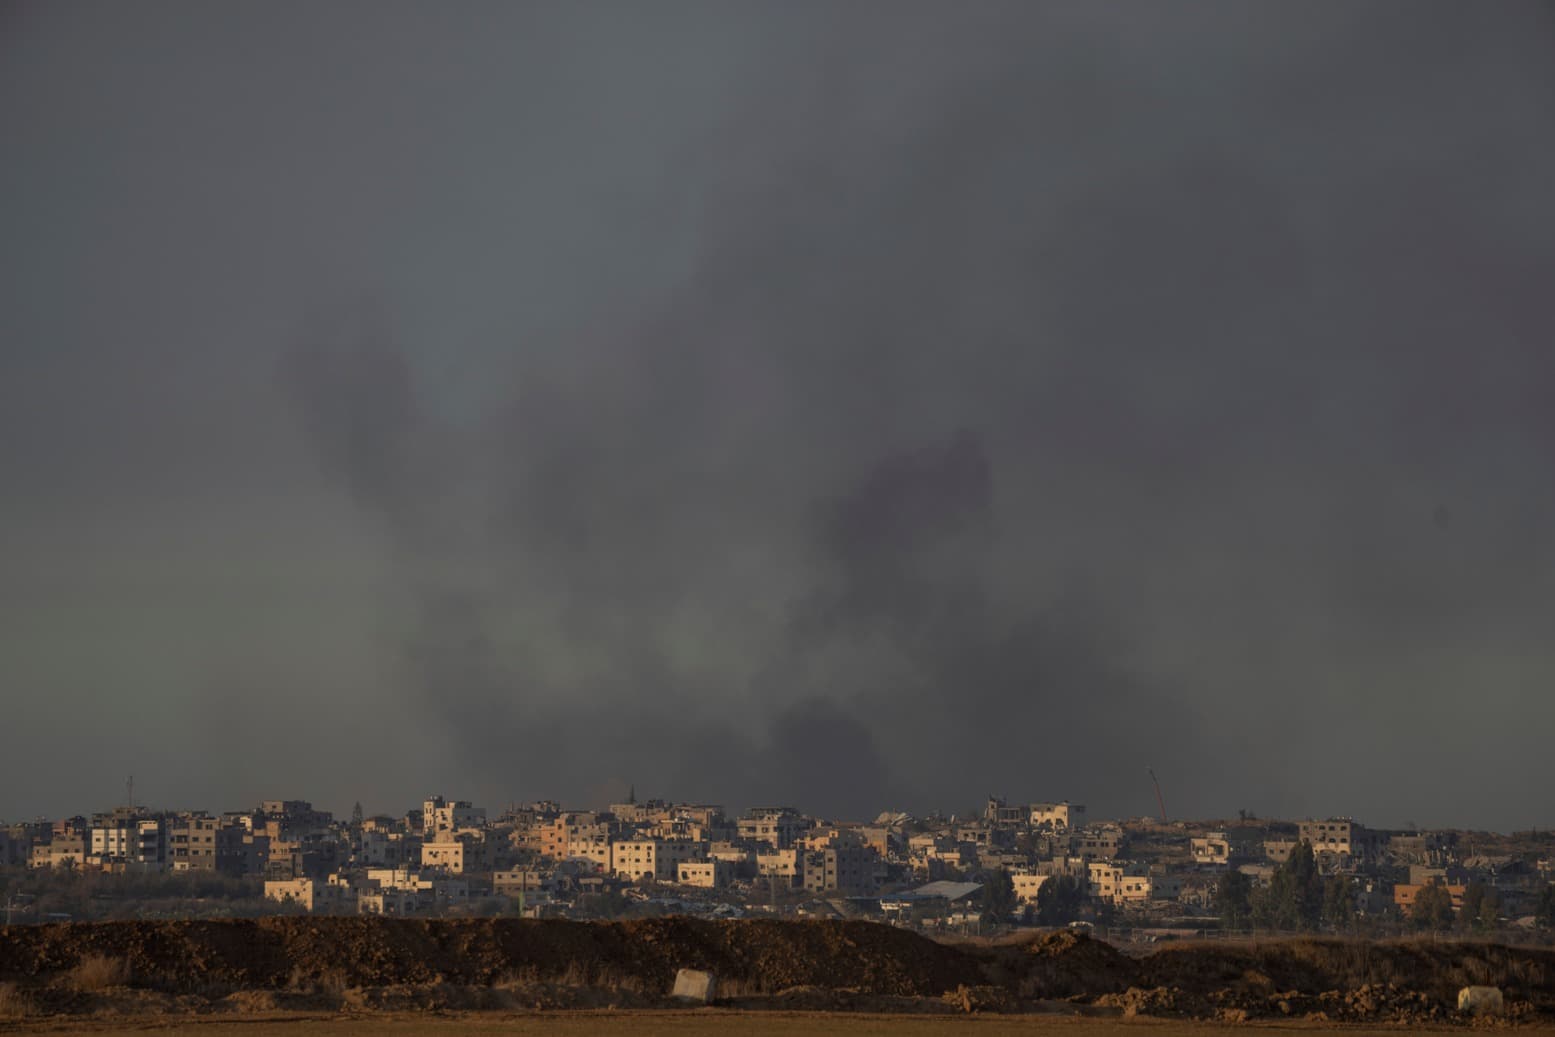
x: 694, y: 985
x: 1481, y: 1001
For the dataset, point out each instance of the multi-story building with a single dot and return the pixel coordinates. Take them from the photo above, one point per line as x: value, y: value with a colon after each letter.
x: 1101, y: 843
x: 1279, y: 848
x: 1105, y: 880
x: 1027, y: 886
x: 440, y: 816
x: 635, y: 859
x: 516, y: 882
x: 1211, y: 848
x: 846, y: 869
x: 311, y: 895
x: 62, y: 851
x: 634, y: 813
x: 658, y: 859
x: 708, y: 874
x: 456, y: 852
x: 779, y: 866
x: 1404, y: 894
x: 192, y: 845
x: 1339, y: 841
x: 741, y: 859
x: 1056, y: 816
x: 777, y: 827
x: 556, y: 837
x: 997, y: 812
x: 592, y: 848
x: 114, y: 835
x: 291, y: 818
x: 392, y: 903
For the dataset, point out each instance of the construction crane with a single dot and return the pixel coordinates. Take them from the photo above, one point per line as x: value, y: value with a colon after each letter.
x: 1160, y: 800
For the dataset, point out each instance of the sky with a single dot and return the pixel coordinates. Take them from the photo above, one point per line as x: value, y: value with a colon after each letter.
x: 861, y: 406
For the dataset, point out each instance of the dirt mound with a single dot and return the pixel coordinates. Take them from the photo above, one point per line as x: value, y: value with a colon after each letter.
x: 278, y: 953
x: 1351, y: 979
x: 1067, y: 964
x: 374, y: 964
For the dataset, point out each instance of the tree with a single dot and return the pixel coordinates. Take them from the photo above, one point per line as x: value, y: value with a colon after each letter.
x: 1232, y: 900
x: 1293, y: 899
x: 1059, y: 900
x: 998, y: 897
x: 1306, y: 887
x: 1544, y: 912
x: 1433, y: 909
x: 1338, y: 903
x: 1473, y: 898
x: 1481, y: 908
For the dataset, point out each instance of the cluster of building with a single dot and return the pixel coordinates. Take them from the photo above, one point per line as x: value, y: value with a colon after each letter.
x: 540, y: 859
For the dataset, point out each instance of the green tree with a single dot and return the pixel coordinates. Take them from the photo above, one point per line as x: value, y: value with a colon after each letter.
x: 1338, y: 903
x: 1485, y: 912
x: 1433, y: 909
x: 1233, y: 900
x: 1293, y: 899
x: 1306, y: 887
x: 1059, y: 901
x: 1544, y: 912
x: 998, y: 897
x: 1473, y: 898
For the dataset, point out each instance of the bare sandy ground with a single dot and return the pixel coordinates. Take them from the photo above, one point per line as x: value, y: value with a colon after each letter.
x: 676, y: 1024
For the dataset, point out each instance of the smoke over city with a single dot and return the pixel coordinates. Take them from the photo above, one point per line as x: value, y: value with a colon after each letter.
x: 870, y: 407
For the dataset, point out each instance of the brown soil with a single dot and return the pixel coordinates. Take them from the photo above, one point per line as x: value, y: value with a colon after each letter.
x: 710, y: 1022
x: 359, y: 965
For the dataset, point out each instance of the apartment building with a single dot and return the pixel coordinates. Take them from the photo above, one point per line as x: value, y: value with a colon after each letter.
x: 202, y: 844
x: 1105, y: 880
x: 393, y: 903
x: 311, y: 895
x: 516, y: 881
x: 1027, y: 886
x: 1057, y: 816
x: 708, y: 874
x: 1103, y: 843
x: 1404, y: 894
x: 780, y: 865
x: 440, y: 816
x: 62, y: 851
x: 456, y: 854
x: 844, y: 869
x: 592, y: 848
x: 1279, y: 848
x: 646, y: 812
x: 1211, y: 848
x: 777, y: 827
x: 1341, y: 841
x: 556, y: 837
x: 657, y: 859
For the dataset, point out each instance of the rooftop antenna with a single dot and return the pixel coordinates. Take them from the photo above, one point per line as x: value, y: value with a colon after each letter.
x: 129, y: 790
x: 1160, y: 800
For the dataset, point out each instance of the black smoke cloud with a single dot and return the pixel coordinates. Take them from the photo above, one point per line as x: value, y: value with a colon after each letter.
x: 998, y: 352
x: 868, y: 407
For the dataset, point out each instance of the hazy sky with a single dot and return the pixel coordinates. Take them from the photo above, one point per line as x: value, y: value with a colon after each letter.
x: 857, y: 405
